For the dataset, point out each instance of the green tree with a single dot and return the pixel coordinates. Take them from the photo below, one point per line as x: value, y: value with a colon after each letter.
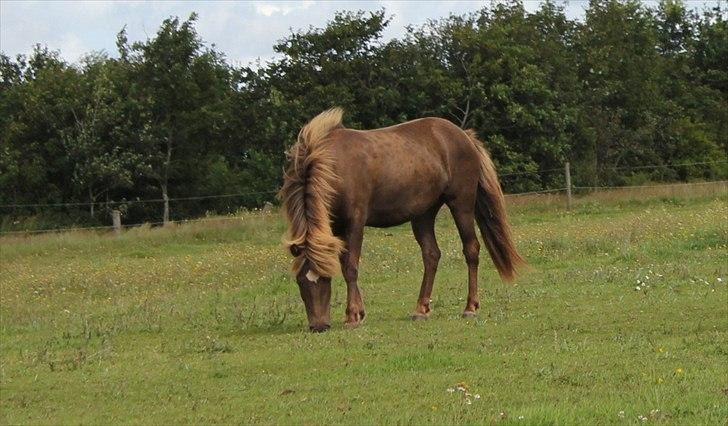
x: 621, y: 94
x: 101, y: 160
x: 38, y: 99
x: 181, y: 88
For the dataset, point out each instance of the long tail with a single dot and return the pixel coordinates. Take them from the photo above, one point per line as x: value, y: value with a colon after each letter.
x: 307, y: 194
x: 490, y: 214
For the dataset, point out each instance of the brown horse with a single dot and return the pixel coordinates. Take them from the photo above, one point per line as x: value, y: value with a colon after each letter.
x: 340, y: 180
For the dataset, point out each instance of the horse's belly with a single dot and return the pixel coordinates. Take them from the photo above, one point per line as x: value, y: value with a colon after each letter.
x: 385, y: 219
x: 402, y: 204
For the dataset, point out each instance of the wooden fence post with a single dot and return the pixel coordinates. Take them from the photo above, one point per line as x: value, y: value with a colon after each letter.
x: 567, y: 172
x: 116, y: 219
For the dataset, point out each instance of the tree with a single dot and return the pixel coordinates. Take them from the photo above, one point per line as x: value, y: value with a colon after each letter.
x: 179, y: 90
x: 38, y: 101
x: 102, y: 162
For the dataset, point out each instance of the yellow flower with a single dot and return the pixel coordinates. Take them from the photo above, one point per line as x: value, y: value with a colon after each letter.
x: 679, y: 371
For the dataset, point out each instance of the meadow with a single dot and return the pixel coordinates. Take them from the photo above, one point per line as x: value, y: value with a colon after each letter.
x: 621, y: 318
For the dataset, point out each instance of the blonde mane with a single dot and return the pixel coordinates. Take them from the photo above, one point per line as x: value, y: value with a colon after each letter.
x: 307, y: 194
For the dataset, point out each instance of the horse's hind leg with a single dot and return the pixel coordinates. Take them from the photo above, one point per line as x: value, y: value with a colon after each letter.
x: 424, y: 230
x: 463, y: 214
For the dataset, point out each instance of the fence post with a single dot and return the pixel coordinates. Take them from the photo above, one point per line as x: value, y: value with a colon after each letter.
x: 116, y: 219
x: 567, y: 172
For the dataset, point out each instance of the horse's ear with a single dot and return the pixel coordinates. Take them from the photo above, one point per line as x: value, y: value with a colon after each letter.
x: 296, y: 250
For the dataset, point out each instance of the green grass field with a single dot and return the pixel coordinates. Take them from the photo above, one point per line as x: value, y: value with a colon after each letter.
x: 622, y: 319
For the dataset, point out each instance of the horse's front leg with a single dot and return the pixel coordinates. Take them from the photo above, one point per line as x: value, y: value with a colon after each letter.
x: 350, y: 270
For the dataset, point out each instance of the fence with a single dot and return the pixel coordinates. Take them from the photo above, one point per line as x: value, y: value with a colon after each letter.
x: 561, y: 195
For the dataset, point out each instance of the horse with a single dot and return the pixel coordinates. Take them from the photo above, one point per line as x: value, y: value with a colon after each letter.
x: 339, y: 180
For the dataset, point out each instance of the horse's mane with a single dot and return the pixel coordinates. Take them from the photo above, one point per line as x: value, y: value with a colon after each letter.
x: 307, y: 194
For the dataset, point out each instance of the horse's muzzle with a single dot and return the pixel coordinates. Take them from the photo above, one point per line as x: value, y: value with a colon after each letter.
x: 319, y: 328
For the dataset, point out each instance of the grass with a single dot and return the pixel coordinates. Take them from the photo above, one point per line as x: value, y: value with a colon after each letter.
x: 622, y: 319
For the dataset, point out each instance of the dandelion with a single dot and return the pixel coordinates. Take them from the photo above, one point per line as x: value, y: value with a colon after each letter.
x: 679, y: 370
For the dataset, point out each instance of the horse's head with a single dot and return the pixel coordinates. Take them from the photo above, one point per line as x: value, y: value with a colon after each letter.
x: 316, y: 294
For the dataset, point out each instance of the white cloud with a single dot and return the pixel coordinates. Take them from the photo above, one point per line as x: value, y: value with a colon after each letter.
x: 284, y: 8
x: 72, y: 47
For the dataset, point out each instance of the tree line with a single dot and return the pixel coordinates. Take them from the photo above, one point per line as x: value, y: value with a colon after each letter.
x: 168, y: 117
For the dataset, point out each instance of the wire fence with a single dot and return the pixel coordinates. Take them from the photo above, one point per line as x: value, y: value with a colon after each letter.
x: 593, y: 188
x: 543, y: 191
x: 566, y: 190
x: 129, y: 202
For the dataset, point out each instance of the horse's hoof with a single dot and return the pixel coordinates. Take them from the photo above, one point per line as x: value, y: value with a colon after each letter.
x: 419, y: 317
x: 468, y: 314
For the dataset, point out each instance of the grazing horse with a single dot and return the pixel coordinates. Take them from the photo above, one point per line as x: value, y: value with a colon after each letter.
x: 340, y: 180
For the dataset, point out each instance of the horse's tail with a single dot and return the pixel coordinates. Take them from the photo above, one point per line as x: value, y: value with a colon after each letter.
x: 490, y: 214
x: 307, y: 194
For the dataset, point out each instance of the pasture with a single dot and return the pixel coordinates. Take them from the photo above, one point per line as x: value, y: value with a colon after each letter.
x: 621, y: 319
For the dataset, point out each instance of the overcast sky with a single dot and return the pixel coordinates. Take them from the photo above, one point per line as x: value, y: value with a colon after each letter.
x: 243, y: 31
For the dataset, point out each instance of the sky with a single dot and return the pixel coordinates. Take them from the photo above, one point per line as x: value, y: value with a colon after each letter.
x: 243, y: 31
